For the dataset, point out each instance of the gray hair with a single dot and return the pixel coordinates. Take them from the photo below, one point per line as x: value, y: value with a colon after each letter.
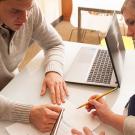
x: 128, y: 4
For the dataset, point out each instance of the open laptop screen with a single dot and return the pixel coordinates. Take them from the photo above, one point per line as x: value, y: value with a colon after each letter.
x: 116, y: 48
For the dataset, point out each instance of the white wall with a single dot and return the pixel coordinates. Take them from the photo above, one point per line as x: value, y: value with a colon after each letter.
x: 51, y: 9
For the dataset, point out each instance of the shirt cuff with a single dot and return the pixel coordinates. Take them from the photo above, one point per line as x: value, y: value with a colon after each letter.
x: 19, y: 113
x: 55, y: 67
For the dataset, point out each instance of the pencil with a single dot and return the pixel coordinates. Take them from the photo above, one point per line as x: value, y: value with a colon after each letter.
x: 98, y: 97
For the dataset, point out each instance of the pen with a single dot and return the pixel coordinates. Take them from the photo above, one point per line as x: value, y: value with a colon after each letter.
x: 98, y: 97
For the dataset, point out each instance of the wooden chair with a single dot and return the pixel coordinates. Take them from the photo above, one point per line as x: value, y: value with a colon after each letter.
x: 93, y: 22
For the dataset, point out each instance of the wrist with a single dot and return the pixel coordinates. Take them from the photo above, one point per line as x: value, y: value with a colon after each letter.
x: 31, y: 114
x: 110, y: 118
x: 117, y: 121
x: 51, y: 72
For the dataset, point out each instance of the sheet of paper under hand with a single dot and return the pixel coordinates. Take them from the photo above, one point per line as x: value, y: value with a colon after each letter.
x: 78, y: 118
x: 23, y: 129
x: 72, y: 118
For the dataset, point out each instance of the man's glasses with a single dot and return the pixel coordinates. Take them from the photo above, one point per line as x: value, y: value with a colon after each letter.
x: 130, y: 22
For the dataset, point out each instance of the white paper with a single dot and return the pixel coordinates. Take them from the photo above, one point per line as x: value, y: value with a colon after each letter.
x: 23, y: 129
x: 72, y: 118
x: 64, y: 129
x: 78, y: 118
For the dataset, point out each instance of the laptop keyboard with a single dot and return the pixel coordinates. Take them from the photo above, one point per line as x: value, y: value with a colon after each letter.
x: 101, y: 71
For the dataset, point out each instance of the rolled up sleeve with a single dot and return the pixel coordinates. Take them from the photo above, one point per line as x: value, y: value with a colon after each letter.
x: 129, y: 125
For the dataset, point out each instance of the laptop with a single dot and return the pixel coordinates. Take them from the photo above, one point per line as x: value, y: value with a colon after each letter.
x: 100, y: 67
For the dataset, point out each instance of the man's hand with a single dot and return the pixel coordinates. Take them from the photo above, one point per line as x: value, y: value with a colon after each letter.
x: 43, y: 117
x: 86, y: 130
x: 57, y: 86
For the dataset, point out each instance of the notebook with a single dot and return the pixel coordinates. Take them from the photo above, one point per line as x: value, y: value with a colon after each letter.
x: 98, y: 66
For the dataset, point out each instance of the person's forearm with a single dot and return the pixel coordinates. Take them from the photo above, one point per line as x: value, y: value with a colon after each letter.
x: 117, y: 121
x: 15, y: 112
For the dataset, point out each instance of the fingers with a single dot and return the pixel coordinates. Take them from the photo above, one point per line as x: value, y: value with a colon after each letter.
x: 92, y: 97
x: 89, y: 107
x: 52, y: 92
x: 93, y: 104
x: 51, y: 122
x: 97, y: 104
x: 58, y: 89
x: 62, y: 94
x: 87, y: 131
x: 101, y: 100
x: 57, y: 93
x: 52, y: 114
x: 102, y: 133
x: 43, y: 90
x: 54, y: 108
x: 76, y: 132
x: 94, y: 114
x: 58, y: 96
x: 65, y: 89
x: 43, y: 118
x: 46, y: 128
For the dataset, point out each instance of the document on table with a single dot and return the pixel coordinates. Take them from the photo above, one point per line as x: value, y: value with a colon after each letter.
x: 27, y: 129
x: 72, y: 118
x: 78, y: 118
x: 23, y: 129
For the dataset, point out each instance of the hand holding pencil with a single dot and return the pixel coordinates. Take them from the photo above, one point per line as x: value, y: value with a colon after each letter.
x: 101, y: 108
x: 98, y: 97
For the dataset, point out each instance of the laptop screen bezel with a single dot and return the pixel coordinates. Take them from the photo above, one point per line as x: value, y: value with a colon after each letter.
x: 114, y: 18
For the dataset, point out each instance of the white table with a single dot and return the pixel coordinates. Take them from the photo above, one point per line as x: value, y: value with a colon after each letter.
x: 25, y: 87
x: 101, y: 6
